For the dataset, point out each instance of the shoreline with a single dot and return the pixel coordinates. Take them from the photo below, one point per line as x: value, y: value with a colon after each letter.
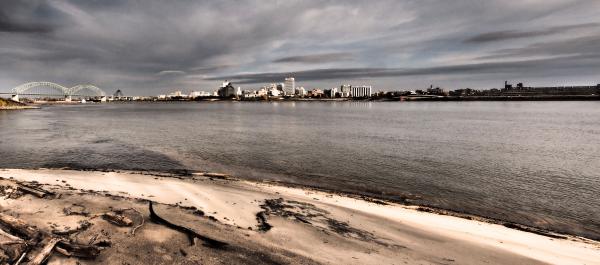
x: 241, y: 203
x: 370, y: 196
x: 19, y: 107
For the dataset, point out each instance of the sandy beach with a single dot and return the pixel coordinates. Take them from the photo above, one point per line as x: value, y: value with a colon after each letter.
x: 258, y: 223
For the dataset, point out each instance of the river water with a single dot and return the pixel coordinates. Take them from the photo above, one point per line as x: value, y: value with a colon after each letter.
x: 535, y: 163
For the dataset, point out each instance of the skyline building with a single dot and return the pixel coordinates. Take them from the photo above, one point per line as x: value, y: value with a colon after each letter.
x: 226, y: 90
x: 360, y: 91
x: 289, y: 86
x: 345, y: 90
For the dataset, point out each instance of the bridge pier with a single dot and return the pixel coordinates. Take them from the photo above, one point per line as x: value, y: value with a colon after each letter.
x: 15, y: 97
x: 68, y: 98
x: 103, y: 99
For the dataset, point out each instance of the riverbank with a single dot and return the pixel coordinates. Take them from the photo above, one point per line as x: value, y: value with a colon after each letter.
x: 268, y: 223
x: 12, y: 105
x: 18, y: 107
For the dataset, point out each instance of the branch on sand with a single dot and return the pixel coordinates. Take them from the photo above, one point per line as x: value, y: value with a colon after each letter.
x: 209, y: 242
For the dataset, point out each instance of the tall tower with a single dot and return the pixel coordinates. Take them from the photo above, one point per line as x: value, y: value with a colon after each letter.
x: 290, y: 86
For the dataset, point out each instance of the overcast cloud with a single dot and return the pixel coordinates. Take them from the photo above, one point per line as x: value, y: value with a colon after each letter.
x: 149, y: 47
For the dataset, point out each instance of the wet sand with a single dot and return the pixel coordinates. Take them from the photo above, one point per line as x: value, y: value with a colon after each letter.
x: 266, y: 223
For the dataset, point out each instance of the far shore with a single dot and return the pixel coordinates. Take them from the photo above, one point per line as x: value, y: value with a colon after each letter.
x: 18, y: 107
x: 267, y: 223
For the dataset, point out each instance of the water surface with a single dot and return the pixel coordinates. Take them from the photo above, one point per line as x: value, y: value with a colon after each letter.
x: 535, y: 163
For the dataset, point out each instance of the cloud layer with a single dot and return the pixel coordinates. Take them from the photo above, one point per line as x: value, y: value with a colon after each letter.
x: 150, y: 47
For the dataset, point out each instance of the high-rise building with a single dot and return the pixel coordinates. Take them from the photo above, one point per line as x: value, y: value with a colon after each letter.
x: 360, y: 91
x: 290, y: 86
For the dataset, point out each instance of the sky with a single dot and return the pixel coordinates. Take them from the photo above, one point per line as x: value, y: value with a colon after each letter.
x: 150, y: 47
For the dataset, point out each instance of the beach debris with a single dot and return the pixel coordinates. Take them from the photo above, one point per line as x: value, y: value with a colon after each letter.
x: 38, y: 192
x: 263, y: 225
x: 299, y: 211
x: 71, y: 249
x: 310, y: 214
x: 534, y: 230
x: 45, y: 253
x: 21, y: 258
x: 19, y: 227
x: 209, y: 242
x: 117, y: 219
x: 4, y: 259
x: 10, y: 237
x: 76, y: 209
x: 11, y: 247
x: 140, y: 215
x: 6, y: 190
x: 212, y: 175
x: 83, y: 225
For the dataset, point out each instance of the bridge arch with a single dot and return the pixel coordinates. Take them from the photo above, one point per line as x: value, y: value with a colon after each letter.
x: 24, y: 87
x: 93, y: 88
x: 66, y: 91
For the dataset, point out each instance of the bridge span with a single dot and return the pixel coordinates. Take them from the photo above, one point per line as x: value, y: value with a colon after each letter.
x: 57, y: 90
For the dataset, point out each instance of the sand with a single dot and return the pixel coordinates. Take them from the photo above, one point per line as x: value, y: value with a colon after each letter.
x: 307, y: 226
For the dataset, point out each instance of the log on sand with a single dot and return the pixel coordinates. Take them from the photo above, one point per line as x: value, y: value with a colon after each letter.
x: 40, y: 193
x: 41, y: 257
x: 19, y: 228
x: 209, y: 242
x: 117, y: 219
x: 77, y: 250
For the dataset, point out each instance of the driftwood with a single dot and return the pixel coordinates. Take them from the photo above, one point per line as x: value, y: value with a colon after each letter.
x: 76, y: 209
x: 21, y: 258
x: 11, y: 247
x: 4, y: 259
x: 18, y: 227
x: 117, y: 219
x: 209, y: 242
x: 83, y: 225
x: 9, y: 236
x: 77, y: 250
x: 45, y: 253
x: 40, y: 193
x: 141, y: 216
x: 12, y: 250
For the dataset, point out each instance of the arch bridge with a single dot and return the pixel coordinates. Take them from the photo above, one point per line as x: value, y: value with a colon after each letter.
x: 67, y: 92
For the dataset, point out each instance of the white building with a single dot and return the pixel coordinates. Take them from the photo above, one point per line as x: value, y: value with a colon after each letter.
x: 195, y: 94
x: 332, y: 92
x: 300, y: 91
x: 249, y: 94
x: 262, y: 92
x: 290, y: 86
x: 360, y: 91
x: 177, y: 94
x: 345, y: 91
x: 274, y: 92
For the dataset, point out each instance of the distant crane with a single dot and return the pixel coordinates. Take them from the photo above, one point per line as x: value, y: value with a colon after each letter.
x: 118, y: 94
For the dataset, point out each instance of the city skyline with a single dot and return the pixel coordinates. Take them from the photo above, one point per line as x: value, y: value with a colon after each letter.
x: 390, y: 45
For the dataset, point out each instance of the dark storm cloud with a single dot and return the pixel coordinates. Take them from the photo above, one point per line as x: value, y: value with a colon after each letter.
x: 587, y: 46
x: 515, y: 34
x: 316, y: 58
x: 534, y: 66
x: 153, y: 46
x: 9, y: 25
x: 27, y: 17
